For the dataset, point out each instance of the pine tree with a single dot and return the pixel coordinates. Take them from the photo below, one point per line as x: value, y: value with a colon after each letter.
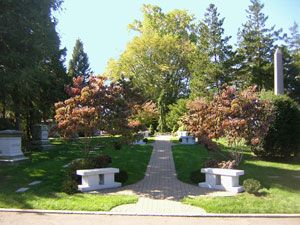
x: 291, y: 63
x: 256, y: 45
x: 212, y: 65
x: 79, y: 64
x: 30, y: 60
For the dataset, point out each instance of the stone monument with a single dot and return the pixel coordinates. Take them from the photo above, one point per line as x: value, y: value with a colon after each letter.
x: 40, y: 139
x: 278, y: 73
x: 10, y: 146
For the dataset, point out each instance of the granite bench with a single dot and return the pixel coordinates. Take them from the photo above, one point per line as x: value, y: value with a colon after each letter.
x: 222, y: 179
x: 97, y: 179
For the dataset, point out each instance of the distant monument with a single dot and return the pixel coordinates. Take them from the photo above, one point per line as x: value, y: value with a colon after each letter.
x: 40, y: 139
x: 10, y: 146
x: 278, y: 73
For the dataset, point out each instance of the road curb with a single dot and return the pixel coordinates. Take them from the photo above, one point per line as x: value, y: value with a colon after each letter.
x: 40, y: 211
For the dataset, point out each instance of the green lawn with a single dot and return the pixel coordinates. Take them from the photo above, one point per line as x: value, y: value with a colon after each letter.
x: 48, y: 168
x: 279, y: 195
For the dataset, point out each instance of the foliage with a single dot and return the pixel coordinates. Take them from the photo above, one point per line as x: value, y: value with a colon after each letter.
x: 208, y: 144
x: 151, y: 130
x: 176, y: 111
x: 252, y: 186
x: 196, y: 177
x: 32, y: 75
x: 121, y: 177
x: 211, y: 163
x: 283, y: 138
x: 147, y: 113
x: 256, y: 45
x: 291, y: 63
x: 70, y: 186
x: 79, y: 64
x: 157, y: 59
x: 232, y: 114
x: 94, y: 106
x: 212, y: 65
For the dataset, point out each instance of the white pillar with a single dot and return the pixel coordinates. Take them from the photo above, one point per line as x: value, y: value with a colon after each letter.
x: 278, y: 73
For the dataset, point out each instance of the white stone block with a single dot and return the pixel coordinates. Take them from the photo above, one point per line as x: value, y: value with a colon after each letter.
x: 222, y: 179
x: 187, y: 140
x: 97, y: 179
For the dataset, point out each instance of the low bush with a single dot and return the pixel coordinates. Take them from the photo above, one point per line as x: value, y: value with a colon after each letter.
x: 283, y: 137
x: 121, y: 177
x: 251, y: 186
x: 197, y: 177
x: 211, y: 163
x: 70, y: 186
x: 145, y: 140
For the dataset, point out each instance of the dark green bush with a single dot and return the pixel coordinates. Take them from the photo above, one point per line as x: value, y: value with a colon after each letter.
x: 145, y: 140
x: 251, y: 186
x: 70, y: 186
x: 197, y: 177
x: 283, y: 137
x: 6, y: 124
x: 121, y: 177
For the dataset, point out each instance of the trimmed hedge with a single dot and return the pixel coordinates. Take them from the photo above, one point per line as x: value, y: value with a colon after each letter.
x: 283, y: 137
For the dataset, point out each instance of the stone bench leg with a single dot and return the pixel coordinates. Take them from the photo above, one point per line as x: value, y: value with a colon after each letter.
x: 231, y: 184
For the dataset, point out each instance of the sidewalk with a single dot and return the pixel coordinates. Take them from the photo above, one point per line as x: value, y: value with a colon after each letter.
x: 160, y: 191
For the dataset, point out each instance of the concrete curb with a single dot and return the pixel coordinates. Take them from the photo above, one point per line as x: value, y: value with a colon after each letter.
x: 40, y: 211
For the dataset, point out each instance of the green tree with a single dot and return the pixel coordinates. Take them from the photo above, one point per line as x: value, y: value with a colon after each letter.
x: 291, y: 60
x: 256, y: 45
x: 30, y: 59
x: 212, y: 65
x: 157, y: 59
x: 176, y: 112
x: 79, y: 64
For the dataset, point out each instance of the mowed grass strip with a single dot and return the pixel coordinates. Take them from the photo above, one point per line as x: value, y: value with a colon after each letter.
x: 48, y: 168
x: 281, y: 192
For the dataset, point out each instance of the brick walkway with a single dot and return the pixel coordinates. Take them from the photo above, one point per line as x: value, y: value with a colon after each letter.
x: 160, y: 190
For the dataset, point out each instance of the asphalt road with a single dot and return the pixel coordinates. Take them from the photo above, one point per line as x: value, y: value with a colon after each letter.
x: 17, y: 218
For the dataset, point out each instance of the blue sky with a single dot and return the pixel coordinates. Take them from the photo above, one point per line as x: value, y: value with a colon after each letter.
x: 102, y: 24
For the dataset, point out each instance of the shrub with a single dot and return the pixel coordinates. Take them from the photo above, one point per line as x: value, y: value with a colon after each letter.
x: 197, y: 177
x: 211, y: 163
x: 251, y: 186
x: 180, y: 140
x: 145, y: 140
x: 70, y: 186
x: 121, y: 177
x: 283, y: 137
x: 230, y: 164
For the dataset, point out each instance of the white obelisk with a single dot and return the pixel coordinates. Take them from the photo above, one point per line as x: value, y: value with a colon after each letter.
x: 278, y: 73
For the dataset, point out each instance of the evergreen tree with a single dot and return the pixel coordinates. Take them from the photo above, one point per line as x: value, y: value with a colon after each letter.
x: 79, y: 64
x: 291, y: 63
x: 256, y: 45
x: 29, y: 49
x: 212, y: 65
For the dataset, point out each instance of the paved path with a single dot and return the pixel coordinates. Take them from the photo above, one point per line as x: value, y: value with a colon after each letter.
x: 160, y: 190
x: 13, y: 218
